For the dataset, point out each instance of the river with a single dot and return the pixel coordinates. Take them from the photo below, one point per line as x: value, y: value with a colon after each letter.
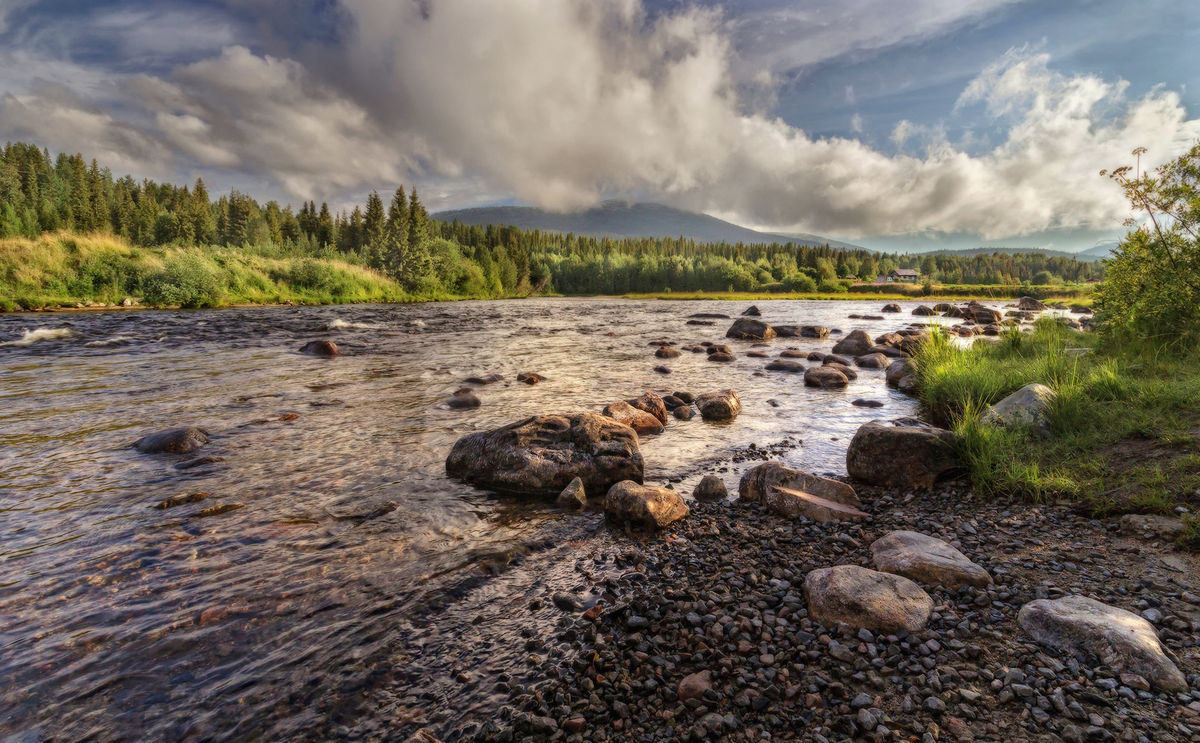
x: 313, y: 611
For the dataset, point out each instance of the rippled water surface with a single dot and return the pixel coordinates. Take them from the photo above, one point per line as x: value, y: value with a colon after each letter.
x: 353, y: 563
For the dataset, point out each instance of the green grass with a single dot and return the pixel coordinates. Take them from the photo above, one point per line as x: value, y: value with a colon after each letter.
x: 1124, y: 428
x: 64, y: 270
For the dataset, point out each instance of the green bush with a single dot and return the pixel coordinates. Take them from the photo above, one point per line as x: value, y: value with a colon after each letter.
x: 188, y: 280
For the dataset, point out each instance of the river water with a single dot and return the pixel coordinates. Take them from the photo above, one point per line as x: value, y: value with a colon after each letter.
x: 354, y: 574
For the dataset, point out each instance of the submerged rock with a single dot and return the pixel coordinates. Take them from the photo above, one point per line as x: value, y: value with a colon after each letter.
x: 173, y: 441
x: 639, y: 420
x: 711, y: 488
x: 926, y: 559
x: 486, y: 379
x: 1096, y: 632
x: 785, y: 365
x: 748, y: 329
x: 643, y: 505
x: 320, y: 348
x: 866, y: 599
x: 901, y: 455
x: 530, y: 378
x: 542, y: 454
x: 464, y: 398
x: 722, y: 405
x: 752, y: 311
x: 572, y: 496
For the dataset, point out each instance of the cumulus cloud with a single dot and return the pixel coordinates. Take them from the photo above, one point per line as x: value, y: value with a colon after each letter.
x: 562, y: 104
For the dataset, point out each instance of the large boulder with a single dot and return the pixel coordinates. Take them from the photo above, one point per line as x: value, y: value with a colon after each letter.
x: 638, y: 420
x: 651, y: 403
x: 711, y: 488
x: 542, y: 454
x: 1096, y: 632
x: 643, y: 505
x: 1028, y: 406
x: 320, y: 348
x: 1029, y: 304
x: 897, y: 371
x: 926, y: 559
x: 792, y: 503
x: 983, y: 315
x: 901, y: 454
x: 723, y: 405
x: 749, y: 329
x: 825, y: 377
x: 856, y: 343
x: 173, y: 441
x: 866, y: 599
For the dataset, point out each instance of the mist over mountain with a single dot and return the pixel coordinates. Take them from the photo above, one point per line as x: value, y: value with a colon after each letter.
x: 625, y: 219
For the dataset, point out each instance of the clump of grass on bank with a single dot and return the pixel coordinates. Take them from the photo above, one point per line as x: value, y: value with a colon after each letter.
x: 1124, y: 427
x: 64, y: 269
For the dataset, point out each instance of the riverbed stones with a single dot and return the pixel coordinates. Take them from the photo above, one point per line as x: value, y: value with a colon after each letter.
x: 639, y: 420
x: 846, y: 370
x: 540, y: 455
x: 694, y: 685
x: 1028, y: 406
x: 572, y: 496
x: 825, y: 377
x: 872, y: 361
x: 927, y: 560
x: 320, y: 348
x: 173, y: 441
x: 1096, y: 632
x: 749, y: 329
x: 711, y: 488
x: 794, y: 503
x: 645, y: 506
x: 856, y: 343
x: 866, y: 599
x: 785, y: 365
x: 722, y: 405
x: 901, y: 454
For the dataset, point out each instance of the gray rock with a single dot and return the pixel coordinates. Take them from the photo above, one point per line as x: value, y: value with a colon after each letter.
x: 856, y: 343
x: 866, y: 599
x: 758, y: 481
x: 749, y: 329
x: 572, y: 496
x: 926, y: 559
x: 901, y: 455
x: 173, y: 441
x: 1027, y: 406
x: 1094, y: 631
x: 1152, y: 525
x: 711, y: 488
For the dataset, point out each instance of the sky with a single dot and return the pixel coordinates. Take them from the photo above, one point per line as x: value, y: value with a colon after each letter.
x: 894, y: 124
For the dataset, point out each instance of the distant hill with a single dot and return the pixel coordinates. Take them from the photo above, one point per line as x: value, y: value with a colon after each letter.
x: 624, y: 219
x: 1100, y: 251
x: 968, y: 252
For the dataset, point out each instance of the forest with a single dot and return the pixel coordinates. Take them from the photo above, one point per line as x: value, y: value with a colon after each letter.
x: 44, y: 193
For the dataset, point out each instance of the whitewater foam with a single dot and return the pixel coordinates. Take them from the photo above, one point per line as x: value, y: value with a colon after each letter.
x: 340, y: 324
x: 42, y: 334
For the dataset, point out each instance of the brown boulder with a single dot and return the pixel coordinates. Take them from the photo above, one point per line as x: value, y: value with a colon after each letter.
x: 651, y: 403
x: 897, y: 455
x: 749, y: 329
x: 867, y: 599
x: 638, y: 420
x: 643, y: 505
x: 872, y: 361
x: 723, y: 405
x: 856, y: 343
x: 320, y: 348
x: 825, y: 377
x: 757, y: 481
x: 542, y: 454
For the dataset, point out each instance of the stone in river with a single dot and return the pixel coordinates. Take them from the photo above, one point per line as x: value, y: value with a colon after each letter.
x: 662, y: 369
x: 320, y: 348
x: 486, y: 379
x: 687, y: 397
x: 814, y: 331
x: 872, y: 361
x: 751, y: 311
x: 721, y: 356
x: 846, y: 371
x: 643, y: 505
x: 749, y: 329
x: 926, y: 559
x: 863, y: 403
x: 891, y: 308
x: 540, y: 455
x: 173, y: 441
x: 793, y: 353
x: 711, y: 488
x: 757, y: 355
x: 530, y: 378
x: 684, y: 412
x: 723, y: 405
x: 572, y: 496
x: 856, y: 343
x: 924, y: 311
x: 1096, y: 632
x: 638, y: 420
x: 653, y: 404
x: 785, y: 365
x: 665, y: 352
x: 866, y: 599
x: 901, y: 454
x: 825, y: 377
x: 464, y: 398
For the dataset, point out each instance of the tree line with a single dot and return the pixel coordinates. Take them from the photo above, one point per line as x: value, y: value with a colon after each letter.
x: 40, y: 192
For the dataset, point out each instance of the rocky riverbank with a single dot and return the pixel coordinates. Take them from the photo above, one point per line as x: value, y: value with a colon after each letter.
x: 706, y: 635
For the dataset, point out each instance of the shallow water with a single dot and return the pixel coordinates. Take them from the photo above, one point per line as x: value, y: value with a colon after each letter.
x: 126, y: 622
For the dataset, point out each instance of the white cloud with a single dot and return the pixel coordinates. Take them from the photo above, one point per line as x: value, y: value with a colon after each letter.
x: 856, y: 124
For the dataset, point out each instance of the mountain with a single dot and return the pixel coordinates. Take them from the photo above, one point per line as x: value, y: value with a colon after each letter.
x: 624, y: 219
x: 969, y: 252
x: 1098, y: 252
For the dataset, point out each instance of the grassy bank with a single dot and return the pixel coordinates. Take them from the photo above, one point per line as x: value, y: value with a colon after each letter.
x: 1124, y: 428
x: 65, y: 270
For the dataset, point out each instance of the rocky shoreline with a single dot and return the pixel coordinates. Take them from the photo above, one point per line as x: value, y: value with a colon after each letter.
x: 705, y: 635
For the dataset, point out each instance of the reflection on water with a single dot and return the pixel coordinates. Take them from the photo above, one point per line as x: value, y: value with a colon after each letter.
x: 353, y: 562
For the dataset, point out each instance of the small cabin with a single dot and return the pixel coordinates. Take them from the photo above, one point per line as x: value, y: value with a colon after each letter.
x: 904, y: 274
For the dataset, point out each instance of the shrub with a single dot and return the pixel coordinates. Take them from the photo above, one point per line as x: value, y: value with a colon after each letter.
x: 187, y: 280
